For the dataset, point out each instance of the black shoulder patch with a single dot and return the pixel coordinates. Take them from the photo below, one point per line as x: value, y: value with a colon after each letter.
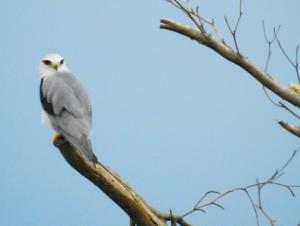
x: 48, y: 107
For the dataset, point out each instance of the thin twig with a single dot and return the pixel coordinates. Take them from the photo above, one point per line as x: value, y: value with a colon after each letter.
x: 294, y: 64
x: 253, y: 206
x: 196, y: 18
x: 269, y: 98
x: 266, y: 215
x: 288, y: 109
x: 259, y: 185
x: 204, y: 196
x: 297, y: 62
x: 233, y: 31
x: 288, y: 161
x: 188, y: 12
x: 173, y: 219
x: 179, y: 219
x: 280, y: 104
x: 288, y: 187
x: 269, y: 42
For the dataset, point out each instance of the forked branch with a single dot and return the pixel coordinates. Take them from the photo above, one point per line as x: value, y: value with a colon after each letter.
x: 200, y: 34
x: 270, y: 43
x: 230, y: 54
x: 255, y: 200
x: 233, y: 31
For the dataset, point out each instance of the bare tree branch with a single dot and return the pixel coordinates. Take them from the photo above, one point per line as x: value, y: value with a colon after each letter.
x: 294, y: 64
x: 290, y: 94
x: 266, y: 215
x: 179, y: 219
x: 196, y: 18
x: 113, y: 186
x: 272, y: 180
x: 233, y: 31
x: 231, y: 55
x: 288, y: 109
x: 290, y: 128
x: 173, y: 219
x: 280, y: 104
x: 189, y: 13
x: 139, y: 211
x: 269, y: 42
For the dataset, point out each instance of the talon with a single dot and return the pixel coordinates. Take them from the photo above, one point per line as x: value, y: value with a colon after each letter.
x: 56, y: 138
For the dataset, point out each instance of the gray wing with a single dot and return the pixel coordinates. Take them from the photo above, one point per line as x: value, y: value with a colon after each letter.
x: 71, y: 113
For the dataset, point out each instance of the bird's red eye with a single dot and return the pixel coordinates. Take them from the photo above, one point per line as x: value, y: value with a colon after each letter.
x: 62, y: 61
x: 47, y: 62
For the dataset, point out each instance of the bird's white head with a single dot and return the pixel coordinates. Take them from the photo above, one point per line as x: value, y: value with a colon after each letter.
x: 51, y: 64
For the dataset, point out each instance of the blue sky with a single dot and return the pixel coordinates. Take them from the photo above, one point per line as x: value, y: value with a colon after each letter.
x: 170, y: 116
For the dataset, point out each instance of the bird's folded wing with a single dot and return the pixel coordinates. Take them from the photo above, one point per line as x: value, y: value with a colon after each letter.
x: 61, y: 96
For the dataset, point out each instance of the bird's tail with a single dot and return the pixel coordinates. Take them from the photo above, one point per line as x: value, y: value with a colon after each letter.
x: 84, y: 145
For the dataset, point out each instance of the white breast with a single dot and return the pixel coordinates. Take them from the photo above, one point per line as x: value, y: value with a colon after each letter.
x: 46, y: 120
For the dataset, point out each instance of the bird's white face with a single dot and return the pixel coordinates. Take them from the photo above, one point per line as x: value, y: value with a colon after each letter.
x: 51, y: 64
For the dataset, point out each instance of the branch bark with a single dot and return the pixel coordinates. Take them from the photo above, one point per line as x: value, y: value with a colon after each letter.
x: 291, y: 128
x: 114, y: 187
x: 237, y: 58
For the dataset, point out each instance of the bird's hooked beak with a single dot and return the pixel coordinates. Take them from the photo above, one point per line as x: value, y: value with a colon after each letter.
x: 55, y: 66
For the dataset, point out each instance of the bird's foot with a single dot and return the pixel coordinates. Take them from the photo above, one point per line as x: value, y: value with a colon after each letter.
x: 58, y: 140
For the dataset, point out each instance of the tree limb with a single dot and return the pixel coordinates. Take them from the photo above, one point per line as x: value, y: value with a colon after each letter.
x: 230, y: 54
x: 292, y: 129
x: 113, y: 186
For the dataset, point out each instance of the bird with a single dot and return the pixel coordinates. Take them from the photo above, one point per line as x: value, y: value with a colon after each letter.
x: 66, y: 105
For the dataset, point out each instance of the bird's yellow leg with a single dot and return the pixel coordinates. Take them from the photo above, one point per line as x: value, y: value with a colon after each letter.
x: 56, y: 137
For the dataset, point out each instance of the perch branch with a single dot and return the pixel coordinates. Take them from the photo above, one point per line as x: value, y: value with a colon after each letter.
x: 114, y: 187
